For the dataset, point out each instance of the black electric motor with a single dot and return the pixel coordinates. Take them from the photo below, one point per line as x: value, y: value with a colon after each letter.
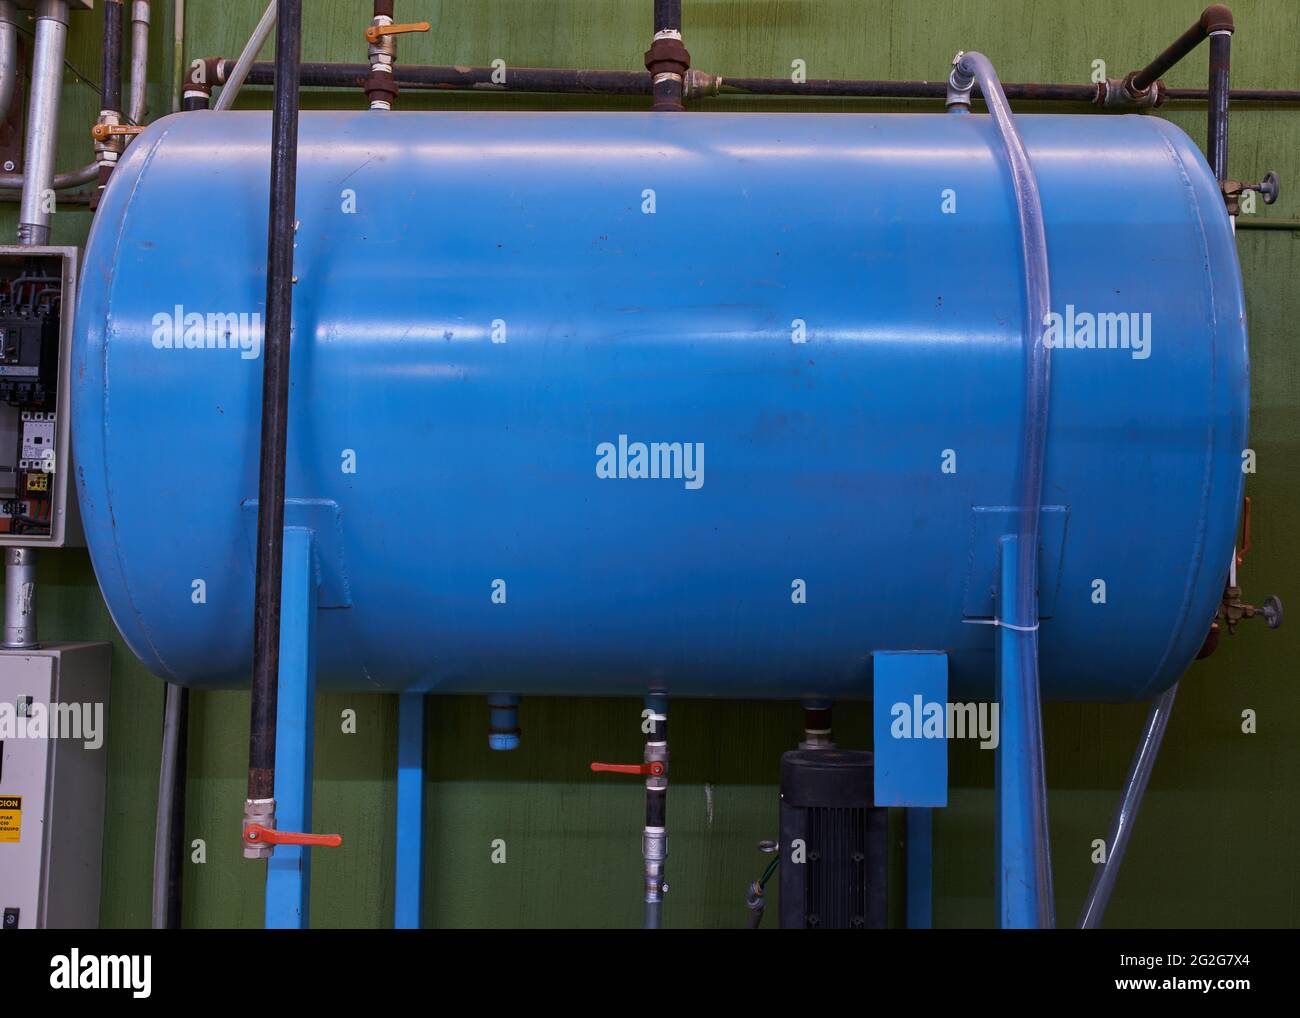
x: 833, y: 842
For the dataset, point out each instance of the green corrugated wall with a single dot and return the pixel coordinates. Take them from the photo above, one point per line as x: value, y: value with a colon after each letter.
x: 1215, y: 843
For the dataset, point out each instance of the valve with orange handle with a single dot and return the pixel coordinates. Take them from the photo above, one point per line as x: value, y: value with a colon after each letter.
x: 654, y: 768
x: 375, y: 32
x: 102, y: 132
x: 257, y: 834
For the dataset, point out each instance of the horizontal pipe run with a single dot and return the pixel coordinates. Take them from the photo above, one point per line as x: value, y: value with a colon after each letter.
x: 614, y: 82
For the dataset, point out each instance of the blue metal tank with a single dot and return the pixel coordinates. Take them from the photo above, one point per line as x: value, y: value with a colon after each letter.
x: 825, y: 311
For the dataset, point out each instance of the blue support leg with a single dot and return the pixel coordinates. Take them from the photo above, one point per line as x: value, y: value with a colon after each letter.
x: 407, y: 891
x: 1023, y: 876
x: 288, y: 871
x: 920, y: 867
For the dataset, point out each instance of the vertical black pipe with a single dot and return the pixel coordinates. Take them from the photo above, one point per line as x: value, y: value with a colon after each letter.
x: 1217, y: 127
x: 275, y: 401
x: 667, y: 59
x: 176, y: 833
x: 112, y: 70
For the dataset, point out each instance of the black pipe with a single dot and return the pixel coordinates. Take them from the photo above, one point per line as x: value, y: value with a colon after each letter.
x: 609, y: 82
x: 111, y: 74
x: 176, y: 833
x: 275, y: 401
x: 667, y: 59
x: 1217, y: 121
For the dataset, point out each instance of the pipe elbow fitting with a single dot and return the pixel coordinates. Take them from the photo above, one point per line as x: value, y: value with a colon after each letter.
x: 1217, y: 18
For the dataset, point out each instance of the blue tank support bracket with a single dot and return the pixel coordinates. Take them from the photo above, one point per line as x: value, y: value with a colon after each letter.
x: 408, y: 879
x: 1024, y: 873
x: 910, y: 731
x: 288, y: 871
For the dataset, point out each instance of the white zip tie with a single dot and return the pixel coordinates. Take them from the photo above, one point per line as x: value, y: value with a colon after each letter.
x: 1004, y: 625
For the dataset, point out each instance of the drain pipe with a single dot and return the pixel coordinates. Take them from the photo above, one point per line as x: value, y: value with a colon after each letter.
x: 667, y: 59
x: 43, y: 120
x: 1121, y: 827
x: 259, y: 808
x: 969, y: 69
x: 8, y: 54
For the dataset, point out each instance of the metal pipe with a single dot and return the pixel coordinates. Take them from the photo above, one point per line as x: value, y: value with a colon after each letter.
x: 700, y: 84
x: 260, y: 805
x: 43, y: 120
x: 667, y: 59
x: 8, y: 54
x: 168, y: 839
x: 970, y: 69
x: 1217, y: 119
x: 654, y: 839
x: 62, y: 181
x: 235, y: 81
x: 135, y: 104
x: 108, y: 149
x: 1121, y: 827
x: 178, y: 54
x: 111, y: 75
x: 20, y: 598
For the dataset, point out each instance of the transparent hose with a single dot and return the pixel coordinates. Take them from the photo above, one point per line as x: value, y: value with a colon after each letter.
x: 971, y: 69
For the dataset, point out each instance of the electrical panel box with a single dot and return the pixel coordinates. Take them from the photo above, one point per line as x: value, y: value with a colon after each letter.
x: 53, y: 753
x: 38, y: 504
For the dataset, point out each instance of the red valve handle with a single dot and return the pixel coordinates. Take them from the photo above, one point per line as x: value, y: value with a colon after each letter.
x: 654, y: 769
x: 256, y: 834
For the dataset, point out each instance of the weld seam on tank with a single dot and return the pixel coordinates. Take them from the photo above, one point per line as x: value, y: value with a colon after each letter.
x: 1197, y: 558
x: 970, y: 69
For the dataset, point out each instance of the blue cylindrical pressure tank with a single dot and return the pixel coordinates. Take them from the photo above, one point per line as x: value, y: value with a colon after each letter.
x: 703, y: 404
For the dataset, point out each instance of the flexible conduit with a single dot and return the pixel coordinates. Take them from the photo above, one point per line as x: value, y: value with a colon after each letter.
x: 970, y: 69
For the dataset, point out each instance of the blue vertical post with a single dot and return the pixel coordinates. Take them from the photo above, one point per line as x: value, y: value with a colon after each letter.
x: 407, y: 886
x: 288, y: 871
x: 1021, y: 849
x: 920, y: 867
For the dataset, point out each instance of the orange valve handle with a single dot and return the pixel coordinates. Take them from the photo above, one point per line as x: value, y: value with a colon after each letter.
x: 375, y: 32
x: 654, y: 769
x: 256, y: 834
x: 102, y: 132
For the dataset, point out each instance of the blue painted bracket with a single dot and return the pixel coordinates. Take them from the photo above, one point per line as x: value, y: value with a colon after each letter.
x: 408, y: 885
x: 910, y: 714
x: 288, y: 871
x: 1024, y: 876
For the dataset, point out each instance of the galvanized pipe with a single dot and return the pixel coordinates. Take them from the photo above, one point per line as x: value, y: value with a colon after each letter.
x: 135, y: 104
x: 1121, y: 827
x: 20, y: 598
x: 8, y: 54
x: 43, y: 120
x: 667, y: 59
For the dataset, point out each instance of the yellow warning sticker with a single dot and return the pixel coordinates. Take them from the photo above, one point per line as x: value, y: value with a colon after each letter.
x: 11, y: 817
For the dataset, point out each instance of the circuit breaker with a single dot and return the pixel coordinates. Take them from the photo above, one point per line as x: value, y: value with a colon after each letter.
x: 37, y: 295
x: 53, y: 753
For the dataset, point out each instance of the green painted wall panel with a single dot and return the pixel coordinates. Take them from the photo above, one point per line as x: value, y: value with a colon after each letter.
x: 1214, y: 845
